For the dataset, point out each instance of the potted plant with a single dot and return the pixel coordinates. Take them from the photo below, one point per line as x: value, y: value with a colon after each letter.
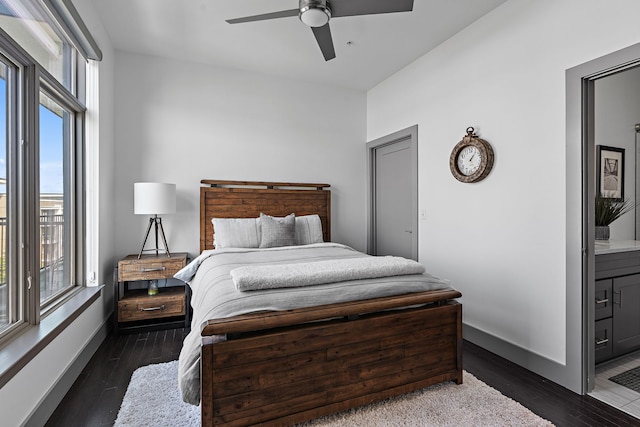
x: 607, y: 211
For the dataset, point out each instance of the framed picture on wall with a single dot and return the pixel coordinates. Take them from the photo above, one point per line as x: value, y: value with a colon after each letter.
x: 610, y: 163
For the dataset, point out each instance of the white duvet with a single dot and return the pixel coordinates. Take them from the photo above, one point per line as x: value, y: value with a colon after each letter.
x: 214, y: 293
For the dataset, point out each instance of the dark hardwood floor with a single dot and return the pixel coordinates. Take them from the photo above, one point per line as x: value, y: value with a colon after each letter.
x: 95, y: 397
x: 543, y: 397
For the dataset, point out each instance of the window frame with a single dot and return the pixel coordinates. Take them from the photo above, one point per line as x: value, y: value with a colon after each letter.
x: 14, y: 88
x: 56, y: 92
x: 23, y: 184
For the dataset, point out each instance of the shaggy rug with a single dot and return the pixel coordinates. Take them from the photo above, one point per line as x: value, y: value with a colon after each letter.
x: 153, y: 399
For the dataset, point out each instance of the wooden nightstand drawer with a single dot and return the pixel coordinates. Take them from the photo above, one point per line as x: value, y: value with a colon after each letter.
x: 150, y: 267
x: 137, y: 305
x: 135, y: 310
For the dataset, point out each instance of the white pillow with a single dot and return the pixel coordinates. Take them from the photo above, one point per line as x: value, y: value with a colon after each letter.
x: 308, y: 229
x: 236, y: 232
x: 246, y: 232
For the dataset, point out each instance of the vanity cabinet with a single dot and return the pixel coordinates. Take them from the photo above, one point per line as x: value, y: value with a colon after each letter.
x: 617, y: 304
x: 626, y: 314
x: 603, y: 316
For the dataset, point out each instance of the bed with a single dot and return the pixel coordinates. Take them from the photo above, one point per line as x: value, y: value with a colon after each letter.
x: 285, y: 365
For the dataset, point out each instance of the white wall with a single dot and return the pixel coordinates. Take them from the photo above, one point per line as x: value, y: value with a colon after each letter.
x: 182, y: 122
x: 617, y: 110
x: 503, y: 241
x: 22, y: 395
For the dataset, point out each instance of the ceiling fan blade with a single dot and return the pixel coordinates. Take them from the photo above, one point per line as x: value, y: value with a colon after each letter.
x: 265, y: 16
x: 323, y: 37
x: 368, y: 7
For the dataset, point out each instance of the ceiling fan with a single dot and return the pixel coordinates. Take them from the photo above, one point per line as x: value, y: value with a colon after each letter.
x: 317, y: 13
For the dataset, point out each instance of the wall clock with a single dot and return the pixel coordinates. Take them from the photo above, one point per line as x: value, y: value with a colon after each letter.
x: 471, y: 159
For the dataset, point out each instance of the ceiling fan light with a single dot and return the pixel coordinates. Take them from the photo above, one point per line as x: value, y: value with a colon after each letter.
x: 315, y: 17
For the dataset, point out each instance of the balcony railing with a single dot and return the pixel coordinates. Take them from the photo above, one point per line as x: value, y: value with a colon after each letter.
x: 3, y: 252
x: 4, y: 289
x: 51, y: 260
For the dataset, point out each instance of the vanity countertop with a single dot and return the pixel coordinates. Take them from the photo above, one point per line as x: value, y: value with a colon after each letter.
x: 613, y: 246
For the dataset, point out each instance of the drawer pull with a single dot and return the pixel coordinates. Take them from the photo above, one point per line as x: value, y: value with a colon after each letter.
x: 152, y: 308
x: 619, y: 302
x: 602, y: 301
x: 146, y: 270
x: 603, y: 341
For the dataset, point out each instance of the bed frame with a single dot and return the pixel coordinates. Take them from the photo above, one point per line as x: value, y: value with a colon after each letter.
x: 285, y: 367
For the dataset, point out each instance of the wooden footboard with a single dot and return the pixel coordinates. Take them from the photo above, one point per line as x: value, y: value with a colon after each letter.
x: 282, y: 368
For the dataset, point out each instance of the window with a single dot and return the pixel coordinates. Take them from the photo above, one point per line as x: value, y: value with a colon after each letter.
x: 28, y: 24
x: 4, y: 288
x: 55, y: 212
x: 41, y: 166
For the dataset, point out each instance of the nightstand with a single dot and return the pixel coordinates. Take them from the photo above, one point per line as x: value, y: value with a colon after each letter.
x: 135, y: 310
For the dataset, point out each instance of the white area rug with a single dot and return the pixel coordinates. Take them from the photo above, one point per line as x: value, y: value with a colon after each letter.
x: 153, y: 399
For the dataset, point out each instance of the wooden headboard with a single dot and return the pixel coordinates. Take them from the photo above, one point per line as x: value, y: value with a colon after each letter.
x: 246, y: 199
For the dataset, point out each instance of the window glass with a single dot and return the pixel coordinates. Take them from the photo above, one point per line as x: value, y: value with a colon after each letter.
x: 55, y: 146
x: 41, y: 168
x: 5, y: 320
x: 26, y: 23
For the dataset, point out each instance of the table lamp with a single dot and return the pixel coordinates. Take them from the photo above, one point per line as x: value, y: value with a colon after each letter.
x: 154, y: 198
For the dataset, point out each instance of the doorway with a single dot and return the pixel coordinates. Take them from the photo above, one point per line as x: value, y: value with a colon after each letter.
x: 581, y: 155
x: 392, y: 163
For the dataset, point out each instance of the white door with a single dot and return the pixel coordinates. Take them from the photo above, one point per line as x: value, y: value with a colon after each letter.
x: 394, y: 196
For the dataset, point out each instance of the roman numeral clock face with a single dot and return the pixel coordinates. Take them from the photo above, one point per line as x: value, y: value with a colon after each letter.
x: 471, y: 159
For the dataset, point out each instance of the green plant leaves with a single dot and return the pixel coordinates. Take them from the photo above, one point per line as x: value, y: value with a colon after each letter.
x: 608, y: 210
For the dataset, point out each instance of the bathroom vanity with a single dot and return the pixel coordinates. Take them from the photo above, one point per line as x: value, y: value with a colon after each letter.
x: 617, y: 301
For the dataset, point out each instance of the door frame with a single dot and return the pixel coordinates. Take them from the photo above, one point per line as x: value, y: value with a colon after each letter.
x: 410, y: 134
x: 580, y: 82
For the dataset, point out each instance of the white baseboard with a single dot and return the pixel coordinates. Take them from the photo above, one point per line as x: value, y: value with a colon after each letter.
x: 49, y: 404
x: 536, y: 363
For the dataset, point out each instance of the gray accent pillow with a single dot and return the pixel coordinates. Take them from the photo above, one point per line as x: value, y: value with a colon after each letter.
x: 277, y: 231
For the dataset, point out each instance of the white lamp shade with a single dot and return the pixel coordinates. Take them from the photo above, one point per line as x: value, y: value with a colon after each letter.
x: 154, y: 198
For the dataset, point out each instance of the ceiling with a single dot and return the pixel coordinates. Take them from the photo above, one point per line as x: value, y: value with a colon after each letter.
x: 368, y: 48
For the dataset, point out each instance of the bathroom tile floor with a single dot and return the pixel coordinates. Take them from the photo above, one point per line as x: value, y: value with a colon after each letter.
x: 614, y: 394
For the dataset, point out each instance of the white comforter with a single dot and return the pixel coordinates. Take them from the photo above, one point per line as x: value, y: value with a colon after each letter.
x: 214, y: 294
